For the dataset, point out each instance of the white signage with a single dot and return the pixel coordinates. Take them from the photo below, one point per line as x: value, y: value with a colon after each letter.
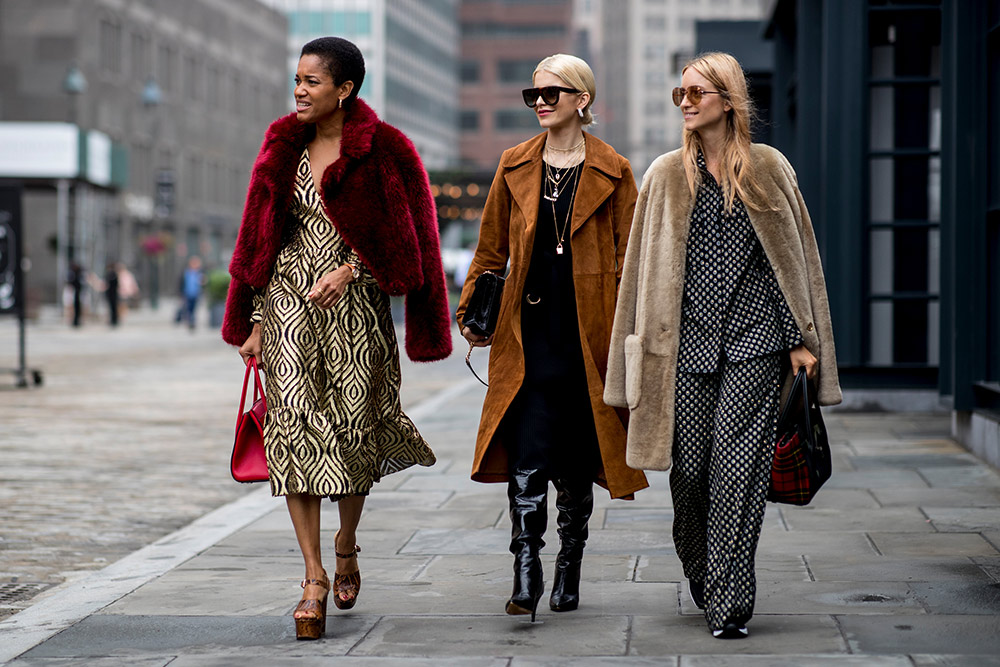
x: 52, y: 150
x: 39, y: 150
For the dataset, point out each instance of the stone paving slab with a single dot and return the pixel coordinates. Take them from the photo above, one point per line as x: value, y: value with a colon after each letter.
x: 811, y: 597
x: 964, y: 519
x: 904, y: 545
x: 875, y: 479
x: 796, y: 661
x: 769, y: 634
x: 936, y: 497
x: 898, y: 519
x: 969, y: 635
x: 494, y: 635
x: 874, y: 568
x: 947, y: 597
x: 964, y: 478
x: 149, y: 636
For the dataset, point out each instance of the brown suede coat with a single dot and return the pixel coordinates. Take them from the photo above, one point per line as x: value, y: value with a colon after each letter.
x: 643, y: 359
x: 602, y: 215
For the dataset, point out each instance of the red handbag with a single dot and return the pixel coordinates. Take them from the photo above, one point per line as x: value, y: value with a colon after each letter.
x: 248, y: 463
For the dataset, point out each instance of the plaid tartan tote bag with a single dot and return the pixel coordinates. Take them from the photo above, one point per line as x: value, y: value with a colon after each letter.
x: 802, y: 455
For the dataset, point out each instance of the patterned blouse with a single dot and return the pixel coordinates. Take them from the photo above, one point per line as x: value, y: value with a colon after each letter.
x: 733, y: 309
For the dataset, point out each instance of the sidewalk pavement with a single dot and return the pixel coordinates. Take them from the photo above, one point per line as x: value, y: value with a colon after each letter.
x: 897, y: 562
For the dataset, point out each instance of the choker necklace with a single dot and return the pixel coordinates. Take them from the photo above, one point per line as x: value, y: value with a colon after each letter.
x: 564, y: 150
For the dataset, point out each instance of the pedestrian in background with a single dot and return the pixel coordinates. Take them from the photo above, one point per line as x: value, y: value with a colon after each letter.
x: 192, y: 284
x: 339, y: 216
x: 723, y: 294
x: 111, y: 292
x: 559, y: 211
x: 73, y: 294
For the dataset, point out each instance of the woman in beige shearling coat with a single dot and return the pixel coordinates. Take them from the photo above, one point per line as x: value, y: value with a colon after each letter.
x: 722, y: 294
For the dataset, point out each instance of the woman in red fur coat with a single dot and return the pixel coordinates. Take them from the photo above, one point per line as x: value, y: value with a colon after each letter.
x: 338, y: 217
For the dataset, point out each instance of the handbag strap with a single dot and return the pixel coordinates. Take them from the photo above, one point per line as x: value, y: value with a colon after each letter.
x: 257, y: 391
x: 468, y: 362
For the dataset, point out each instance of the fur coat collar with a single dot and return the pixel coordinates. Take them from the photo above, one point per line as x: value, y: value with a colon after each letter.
x: 378, y: 196
x: 642, y: 366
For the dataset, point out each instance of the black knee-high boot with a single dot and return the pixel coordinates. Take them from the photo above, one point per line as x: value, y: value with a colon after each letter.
x: 575, y: 502
x: 527, y: 492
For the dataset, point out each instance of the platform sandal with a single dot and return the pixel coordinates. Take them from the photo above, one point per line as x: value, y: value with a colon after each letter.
x: 346, y: 587
x: 312, y: 627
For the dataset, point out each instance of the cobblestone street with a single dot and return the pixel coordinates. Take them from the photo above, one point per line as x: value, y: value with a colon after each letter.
x: 127, y: 440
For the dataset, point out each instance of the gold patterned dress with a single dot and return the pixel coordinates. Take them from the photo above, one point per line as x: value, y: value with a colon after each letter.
x: 334, y: 423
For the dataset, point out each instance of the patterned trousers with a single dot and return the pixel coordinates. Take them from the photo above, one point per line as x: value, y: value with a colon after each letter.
x: 723, y: 446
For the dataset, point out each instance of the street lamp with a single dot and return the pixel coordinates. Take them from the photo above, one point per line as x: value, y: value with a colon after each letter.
x: 152, y: 96
x: 74, y: 85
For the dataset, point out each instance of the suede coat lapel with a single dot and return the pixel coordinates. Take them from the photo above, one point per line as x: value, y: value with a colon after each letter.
x: 602, y: 213
x: 642, y: 367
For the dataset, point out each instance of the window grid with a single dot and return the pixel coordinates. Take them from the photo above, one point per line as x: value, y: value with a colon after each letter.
x: 902, y: 267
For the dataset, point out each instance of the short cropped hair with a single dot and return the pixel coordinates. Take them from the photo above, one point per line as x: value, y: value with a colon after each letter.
x: 343, y: 60
x: 576, y: 73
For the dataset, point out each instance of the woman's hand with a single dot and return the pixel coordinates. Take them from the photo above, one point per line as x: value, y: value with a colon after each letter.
x: 328, y: 289
x: 252, y: 347
x: 476, y: 339
x: 800, y: 356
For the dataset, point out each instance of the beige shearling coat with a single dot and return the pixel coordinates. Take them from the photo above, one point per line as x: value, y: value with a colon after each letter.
x: 642, y: 365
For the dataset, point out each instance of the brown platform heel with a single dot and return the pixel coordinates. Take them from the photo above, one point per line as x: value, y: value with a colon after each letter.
x: 346, y: 587
x: 312, y: 627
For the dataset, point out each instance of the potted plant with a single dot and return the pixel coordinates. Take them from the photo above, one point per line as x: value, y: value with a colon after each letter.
x: 216, y: 288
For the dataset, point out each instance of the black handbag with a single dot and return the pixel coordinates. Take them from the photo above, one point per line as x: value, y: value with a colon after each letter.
x: 483, y: 310
x: 802, y: 462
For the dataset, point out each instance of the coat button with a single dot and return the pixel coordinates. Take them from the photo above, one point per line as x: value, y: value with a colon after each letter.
x: 809, y: 327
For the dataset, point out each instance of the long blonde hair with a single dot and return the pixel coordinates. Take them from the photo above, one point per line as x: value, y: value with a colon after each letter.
x: 737, y: 178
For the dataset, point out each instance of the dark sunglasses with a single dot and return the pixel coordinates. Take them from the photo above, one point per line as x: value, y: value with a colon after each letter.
x: 694, y: 94
x: 549, y: 94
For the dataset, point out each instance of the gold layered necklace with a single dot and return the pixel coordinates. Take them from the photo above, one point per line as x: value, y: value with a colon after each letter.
x: 554, y: 179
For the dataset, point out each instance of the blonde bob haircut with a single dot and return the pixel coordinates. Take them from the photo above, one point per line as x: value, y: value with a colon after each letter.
x: 576, y: 73
x: 725, y: 73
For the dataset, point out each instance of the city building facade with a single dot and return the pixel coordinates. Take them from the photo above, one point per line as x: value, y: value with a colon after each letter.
x: 411, y: 62
x: 888, y: 111
x: 170, y: 98
x: 502, y: 42
x: 643, y: 47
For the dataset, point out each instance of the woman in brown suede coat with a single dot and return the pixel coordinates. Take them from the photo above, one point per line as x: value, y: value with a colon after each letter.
x: 559, y: 211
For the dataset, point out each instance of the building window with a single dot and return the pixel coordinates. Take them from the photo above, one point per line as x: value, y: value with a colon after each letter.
x: 516, y: 71
x: 469, y: 120
x: 111, y: 47
x: 515, y: 119
x: 468, y: 71
x: 140, y: 57
x: 496, y: 30
x: 166, y: 68
x: 656, y: 22
x: 192, y: 78
x: 904, y: 185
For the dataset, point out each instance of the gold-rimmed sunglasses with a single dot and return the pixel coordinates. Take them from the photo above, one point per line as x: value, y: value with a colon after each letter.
x: 694, y: 94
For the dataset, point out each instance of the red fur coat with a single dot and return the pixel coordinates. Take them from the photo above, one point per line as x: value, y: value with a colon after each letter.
x: 379, y: 198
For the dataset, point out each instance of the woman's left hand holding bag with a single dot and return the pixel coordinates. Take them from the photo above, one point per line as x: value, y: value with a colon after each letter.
x: 800, y: 357
x: 328, y: 289
x: 252, y: 347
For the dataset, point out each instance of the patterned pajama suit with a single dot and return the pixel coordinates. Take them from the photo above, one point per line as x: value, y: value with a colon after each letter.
x: 736, y: 330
